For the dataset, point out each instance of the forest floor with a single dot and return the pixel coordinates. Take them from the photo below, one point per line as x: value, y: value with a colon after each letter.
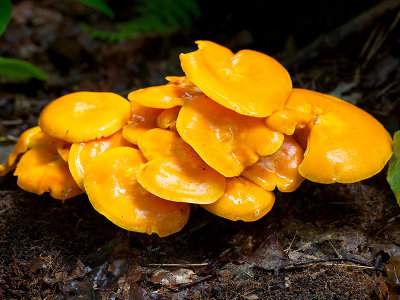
x: 338, y: 241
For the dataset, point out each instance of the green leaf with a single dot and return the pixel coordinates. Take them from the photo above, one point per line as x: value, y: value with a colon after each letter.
x: 5, y: 14
x: 393, y: 176
x: 19, y: 69
x: 99, y: 5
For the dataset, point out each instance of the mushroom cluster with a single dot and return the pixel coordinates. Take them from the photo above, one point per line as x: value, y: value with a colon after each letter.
x: 224, y: 137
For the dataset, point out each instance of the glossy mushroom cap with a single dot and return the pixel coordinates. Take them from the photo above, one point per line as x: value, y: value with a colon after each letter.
x: 344, y: 143
x: 142, y: 118
x: 84, y: 116
x: 175, y: 171
x: 227, y: 141
x: 112, y: 188
x: 41, y: 169
x: 248, y: 82
x: 279, y: 169
x: 175, y: 93
x: 243, y: 200
x: 82, y: 153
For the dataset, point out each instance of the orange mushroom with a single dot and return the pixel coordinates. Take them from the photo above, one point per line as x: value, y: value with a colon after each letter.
x: 142, y: 119
x: 344, y: 143
x: 248, y: 82
x: 227, y: 141
x: 20, y: 148
x: 82, y: 153
x: 279, y: 169
x: 112, y: 188
x: 243, y: 200
x: 175, y: 93
x: 63, y: 149
x: 42, y: 170
x: 175, y: 171
x: 167, y: 118
x: 84, y: 116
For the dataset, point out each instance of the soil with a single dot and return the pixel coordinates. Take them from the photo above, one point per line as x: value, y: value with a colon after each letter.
x: 338, y: 241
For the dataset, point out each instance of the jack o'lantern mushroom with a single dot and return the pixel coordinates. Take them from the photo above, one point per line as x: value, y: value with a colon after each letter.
x: 174, y: 93
x: 278, y: 169
x: 243, y: 200
x: 248, y: 82
x: 175, y: 171
x: 142, y: 118
x: 82, y: 153
x: 343, y: 143
x: 227, y: 141
x: 41, y: 169
x: 112, y: 188
x: 84, y: 116
x: 20, y: 148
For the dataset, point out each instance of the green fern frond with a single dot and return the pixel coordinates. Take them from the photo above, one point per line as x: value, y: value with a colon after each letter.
x: 153, y: 17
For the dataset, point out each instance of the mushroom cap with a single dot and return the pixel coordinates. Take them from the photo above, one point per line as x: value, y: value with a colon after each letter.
x: 175, y: 171
x: 42, y: 170
x: 20, y: 148
x: 243, y: 200
x: 227, y: 141
x: 248, y: 82
x: 167, y: 118
x: 175, y: 93
x: 142, y: 119
x: 344, y: 143
x: 279, y: 169
x: 84, y: 116
x: 112, y: 188
x: 82, y: 153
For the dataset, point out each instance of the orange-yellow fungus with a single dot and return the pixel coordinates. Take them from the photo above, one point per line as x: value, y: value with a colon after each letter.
x: 175, y: 171
x: 20, y: 148
x: 82, y: 153
x: 344, y: 143
x: 175, y: 93
x: 63, y: 149
x: 229, y: 142
x: 167, y: 119
x: 112, y: 188
x: 42, y: 170
x: 243, y: 200
x: 142, y: 119
x: 279, y: 169
x: 248, y: 82
x: 85, y: 116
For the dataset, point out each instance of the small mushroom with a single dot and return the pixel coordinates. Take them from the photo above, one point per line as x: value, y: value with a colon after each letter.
x: 112, y: 188
x: 82, y: 153
x: 175, y: 93
x: 248, y: 82
x: 175, y: 171
x: 343, y: 142
x: 42, y: 170
x: 142, y: 119
x: 243, y: 200
x: 278, y: 169
x: 84, y: 116
x: 20, y: 148
x: 227, y: 141
x: 167, y: 118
